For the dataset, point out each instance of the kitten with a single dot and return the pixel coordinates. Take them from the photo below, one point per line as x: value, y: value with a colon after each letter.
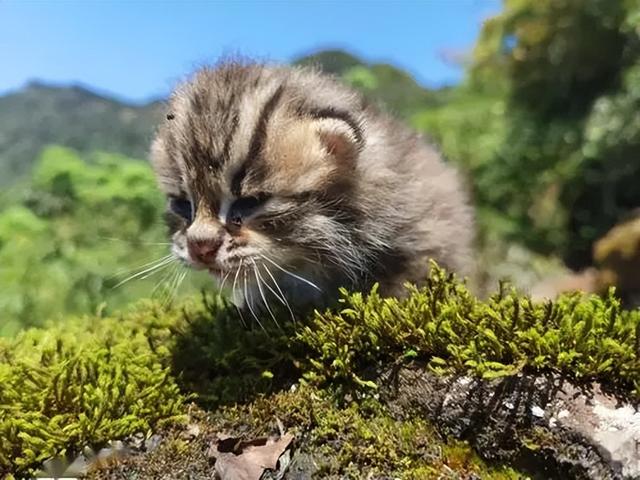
x: 286, y: 185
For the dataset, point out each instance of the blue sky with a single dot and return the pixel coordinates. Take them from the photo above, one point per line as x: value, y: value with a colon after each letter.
x: 138, y: 49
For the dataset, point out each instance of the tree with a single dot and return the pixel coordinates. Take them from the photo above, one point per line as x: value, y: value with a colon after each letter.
x: 553, y: 151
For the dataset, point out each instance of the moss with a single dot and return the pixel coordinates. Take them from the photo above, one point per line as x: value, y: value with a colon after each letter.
x: 355, y: 437
x: 215, y: 357
x: 97, y: 379
x: 580, y: 336
x: 537, y: 438
x: 345, y: 440
x: 79, y: 384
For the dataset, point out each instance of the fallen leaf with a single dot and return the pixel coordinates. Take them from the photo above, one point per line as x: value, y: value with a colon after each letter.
x: 237, y: 459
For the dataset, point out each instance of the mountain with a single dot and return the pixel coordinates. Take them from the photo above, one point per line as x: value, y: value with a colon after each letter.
x: 74, y: 116
x: 391, y: 87
x: 334, y: 62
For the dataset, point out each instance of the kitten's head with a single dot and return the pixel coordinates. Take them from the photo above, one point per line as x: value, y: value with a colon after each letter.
x: 259, y: 165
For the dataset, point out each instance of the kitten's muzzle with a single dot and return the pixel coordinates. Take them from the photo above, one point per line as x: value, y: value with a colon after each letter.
x: 204, y: 251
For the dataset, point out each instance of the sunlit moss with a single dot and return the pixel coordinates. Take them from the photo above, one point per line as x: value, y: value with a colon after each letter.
x: 581, y: 336
x: 97, y: 379
x: 79, y: 384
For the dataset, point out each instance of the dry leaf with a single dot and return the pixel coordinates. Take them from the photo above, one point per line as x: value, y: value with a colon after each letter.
x: 247, y: 460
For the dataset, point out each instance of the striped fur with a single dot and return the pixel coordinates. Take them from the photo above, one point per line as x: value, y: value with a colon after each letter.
x: 286, y: 165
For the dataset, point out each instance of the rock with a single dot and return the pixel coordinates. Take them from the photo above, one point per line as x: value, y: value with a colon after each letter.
x: 526, y: 270
x: 152, y: 442
x: 618, y: 256
x: 545, y: 424
x: 586, y: 281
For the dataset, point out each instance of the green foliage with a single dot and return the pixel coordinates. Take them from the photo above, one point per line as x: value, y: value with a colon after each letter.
x: 97, y: 379
x: 546, y: 122
x: 65, y: 242
x: 557, y: 56
x: 604, y: 175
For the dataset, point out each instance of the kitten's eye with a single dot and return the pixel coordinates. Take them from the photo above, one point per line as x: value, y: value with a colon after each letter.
x: 181, y: 207
x: 243, y: 207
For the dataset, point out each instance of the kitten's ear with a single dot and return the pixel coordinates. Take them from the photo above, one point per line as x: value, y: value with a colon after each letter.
x: 338, y: 138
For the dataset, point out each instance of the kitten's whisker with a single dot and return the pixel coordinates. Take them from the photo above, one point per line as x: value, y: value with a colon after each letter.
x: 244, y: 322
x: 178, y: 284
x: 221, y: 286
x: 298, y: 277
x: 146, y: 272
x: 162, y: 282
x: 144, y: 265
x: 179, y: 277
x: 344, y: 265
x: 250, y: 301
x: 278, y: 296
x: 161, y: 267
x: 235, y: 280
x: 233, y: 295
x: 264, y: 299
x: 114, y: 239
x: 284, y: 298
x: 169, y: 285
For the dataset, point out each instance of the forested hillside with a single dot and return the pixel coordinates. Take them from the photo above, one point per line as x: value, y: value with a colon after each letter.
x: 41, y: 114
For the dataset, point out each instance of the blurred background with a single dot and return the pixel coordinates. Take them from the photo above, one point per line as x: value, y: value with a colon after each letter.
x: 537, y: 101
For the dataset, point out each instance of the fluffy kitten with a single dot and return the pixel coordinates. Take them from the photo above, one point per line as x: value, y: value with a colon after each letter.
x: 286, y: 184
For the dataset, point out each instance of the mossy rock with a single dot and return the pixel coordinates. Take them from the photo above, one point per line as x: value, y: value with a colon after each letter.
x: 334, y: 440
x: 92, y: 380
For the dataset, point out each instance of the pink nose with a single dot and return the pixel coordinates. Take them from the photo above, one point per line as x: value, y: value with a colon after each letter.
x: 204, y: 250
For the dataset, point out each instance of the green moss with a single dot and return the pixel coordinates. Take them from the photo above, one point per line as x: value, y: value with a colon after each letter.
x: 347, y: 439
x: 580, y: 336
x: 340, y: 440
x: 213, y: 356
x: 79, y: 384
x: 97, y: 379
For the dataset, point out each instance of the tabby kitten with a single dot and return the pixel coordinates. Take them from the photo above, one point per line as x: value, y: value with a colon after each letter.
x: 286, y: 185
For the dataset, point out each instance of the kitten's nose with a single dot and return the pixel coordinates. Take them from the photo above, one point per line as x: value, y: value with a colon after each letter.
x: 204, y: 250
